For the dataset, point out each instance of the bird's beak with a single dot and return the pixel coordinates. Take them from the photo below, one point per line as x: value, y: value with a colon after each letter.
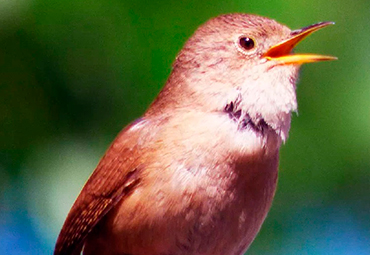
x: 282, y: 52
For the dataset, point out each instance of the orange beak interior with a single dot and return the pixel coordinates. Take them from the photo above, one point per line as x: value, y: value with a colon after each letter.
x: 282, y: 52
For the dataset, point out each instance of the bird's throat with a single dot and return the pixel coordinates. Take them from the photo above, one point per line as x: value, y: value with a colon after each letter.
x: 244, y: 121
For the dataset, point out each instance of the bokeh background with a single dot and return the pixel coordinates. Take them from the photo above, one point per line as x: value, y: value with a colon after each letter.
x: 74, y: 72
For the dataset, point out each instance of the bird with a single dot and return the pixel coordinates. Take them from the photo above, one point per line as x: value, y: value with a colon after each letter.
x: 197, y: 173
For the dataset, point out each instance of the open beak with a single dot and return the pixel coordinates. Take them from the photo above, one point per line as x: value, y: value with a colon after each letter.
x: 282, y: 52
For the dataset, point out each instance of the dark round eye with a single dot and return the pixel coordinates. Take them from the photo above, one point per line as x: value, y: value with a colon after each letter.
x: 246, y: 43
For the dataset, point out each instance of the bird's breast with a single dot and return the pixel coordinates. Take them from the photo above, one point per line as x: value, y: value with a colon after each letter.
x: 193, y: 210
x: 196, y: 196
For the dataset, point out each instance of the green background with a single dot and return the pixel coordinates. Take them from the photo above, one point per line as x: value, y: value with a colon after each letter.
x: 73, y: 73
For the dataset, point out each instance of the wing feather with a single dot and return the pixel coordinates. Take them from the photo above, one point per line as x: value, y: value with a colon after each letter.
x: 114, y: 178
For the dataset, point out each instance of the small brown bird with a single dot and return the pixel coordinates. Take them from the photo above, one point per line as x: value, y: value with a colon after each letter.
x: 196, y: 174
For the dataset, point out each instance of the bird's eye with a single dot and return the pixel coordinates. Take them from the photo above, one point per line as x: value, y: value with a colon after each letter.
x: 246, y: 43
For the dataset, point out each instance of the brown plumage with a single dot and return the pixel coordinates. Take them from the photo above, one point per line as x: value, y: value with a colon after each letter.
x: 197, y: 173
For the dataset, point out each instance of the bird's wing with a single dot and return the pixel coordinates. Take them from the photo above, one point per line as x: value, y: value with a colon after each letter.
x: 113, y: 179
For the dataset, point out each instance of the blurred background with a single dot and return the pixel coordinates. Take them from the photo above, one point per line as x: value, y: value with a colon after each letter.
x: 73, y: 73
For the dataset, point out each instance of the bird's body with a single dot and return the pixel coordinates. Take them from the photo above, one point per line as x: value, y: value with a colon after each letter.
x: 188, y: 205
x: 196, y: 174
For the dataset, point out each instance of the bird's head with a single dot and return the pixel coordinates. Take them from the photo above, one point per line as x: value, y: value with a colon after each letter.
x: 243, y: 58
